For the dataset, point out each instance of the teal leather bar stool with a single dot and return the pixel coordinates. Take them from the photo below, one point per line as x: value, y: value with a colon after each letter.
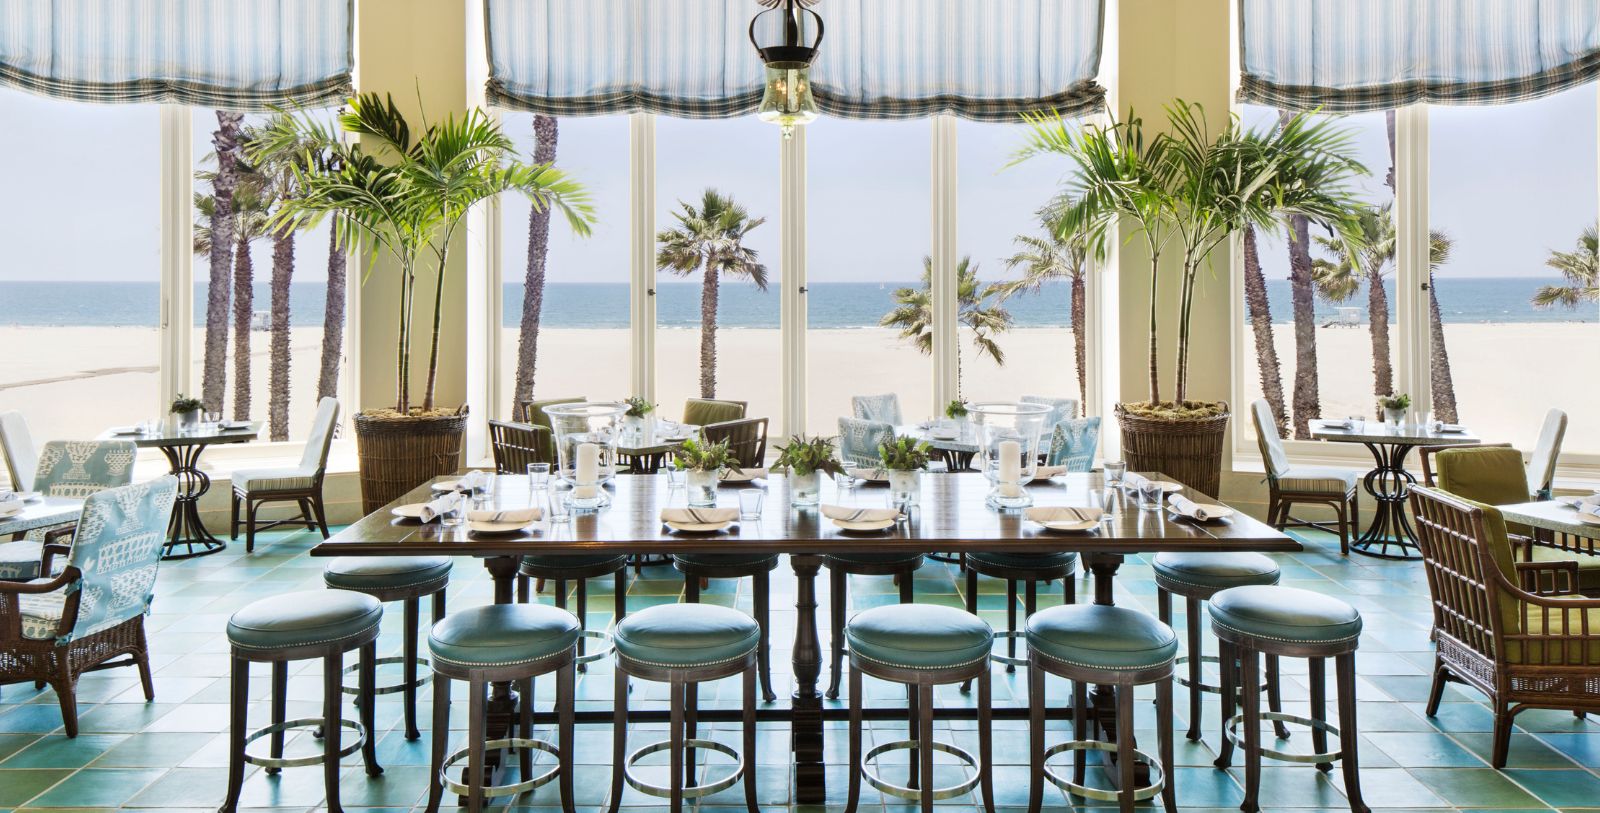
x: 1029, y: 569
x: 1288, y: 622
x: 560, y: 569
x: 684, y: 645
x: 841, y: 566
x: 920, y: 646
x: 697, y: 567
x: 1096, y: 644
x: 296, y: 626
x: 1197, y: 577
x: 510, y: 643
x: 397, y: 578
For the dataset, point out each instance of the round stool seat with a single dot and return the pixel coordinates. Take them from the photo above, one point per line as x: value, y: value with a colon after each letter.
x: 686, y: 635
x: 919, y: 636
x: 384, y: 572
x: 555, y: 564
x: 503, y: 635
x: 1286, y: 614
x: 872, y: 559
x: 750, y: 561
x: 1101, y: 637
x: 302, y: 619
x: 1024, y: 561
x: 1206, y: 573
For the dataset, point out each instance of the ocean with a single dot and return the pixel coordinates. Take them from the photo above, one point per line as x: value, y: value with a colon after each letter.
x: 832, y: 304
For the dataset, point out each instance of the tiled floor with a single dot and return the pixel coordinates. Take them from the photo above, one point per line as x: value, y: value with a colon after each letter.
x: 170, y: 754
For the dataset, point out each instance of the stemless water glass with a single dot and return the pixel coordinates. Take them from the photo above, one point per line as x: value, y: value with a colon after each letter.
x: 675, y: 476
x: 213, y: 420
x: 1150, y: 494
x: 454, y: 514
x: 750, y: 503
x: 559, y: 493
x: 1106, y: 499
x: 1114, y: 471
x: 538, y: 476
x: 845, y: 481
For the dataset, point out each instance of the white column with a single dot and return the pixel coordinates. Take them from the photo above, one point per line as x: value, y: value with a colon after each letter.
x: 1412, y: 361
x: 177, y: 255
x: 641, y: 253
x: 792, y: 269
x: 944, y: 251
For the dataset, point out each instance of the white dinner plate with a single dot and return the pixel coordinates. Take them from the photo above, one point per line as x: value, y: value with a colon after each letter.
x: 698, y: 527
x: 495, y: 528
x: 1071, y: 526
x: 412, y: 511
x: 1213, y: 511
x: 446, y: 485
x: 864, y: 525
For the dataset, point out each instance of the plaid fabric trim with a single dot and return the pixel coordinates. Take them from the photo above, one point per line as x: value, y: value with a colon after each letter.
x: 193, y: 94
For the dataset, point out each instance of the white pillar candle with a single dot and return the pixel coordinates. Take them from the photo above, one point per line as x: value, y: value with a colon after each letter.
x: 588, y: 473
x: 1009, y: 478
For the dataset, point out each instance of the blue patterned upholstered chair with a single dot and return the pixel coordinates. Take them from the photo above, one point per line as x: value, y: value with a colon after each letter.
x: 53, y: 631
x: 1288, y: 485
x: 302, y: 484
x: 66, y: 468
x: 1073, y: 442
x: 1061, y: 409
x: 881, y: 408
x: 859, y: 441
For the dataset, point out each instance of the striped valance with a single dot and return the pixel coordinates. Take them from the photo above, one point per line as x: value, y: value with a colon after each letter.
x: 245, y: 55
x: 1348, y: 56
x: 880, y: 59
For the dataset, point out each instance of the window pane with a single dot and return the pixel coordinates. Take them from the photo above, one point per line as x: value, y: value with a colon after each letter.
x: 80, y: 280
x: 582, y: 340
x: 868, y: 187
x: 1512, y: 217
x: 738, y: 159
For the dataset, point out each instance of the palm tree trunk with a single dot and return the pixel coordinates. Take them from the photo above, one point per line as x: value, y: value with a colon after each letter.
x: 1080, y: 341
x: 333, y: 320
x: 544, y: 152
x: 1443, y: 383
x: 1307, y: 400
x: 1378, y: 316
x: 433, y: 341
x: 214, y: 370
x: 1155, y: 361
x: 708, y: 333
x: 278, y: 375
x: 243, y: 310
x: 1260, y: 311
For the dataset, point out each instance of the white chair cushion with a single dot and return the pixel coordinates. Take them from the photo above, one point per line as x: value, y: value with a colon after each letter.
x: 255, y: 480
x: 19, y: 561
x: 41, y: 614
x: 1317, y: 479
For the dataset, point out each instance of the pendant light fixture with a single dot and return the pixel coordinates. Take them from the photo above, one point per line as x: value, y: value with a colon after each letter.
x: 786, y: 99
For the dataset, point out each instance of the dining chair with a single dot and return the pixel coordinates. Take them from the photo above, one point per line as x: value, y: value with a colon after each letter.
x: 859, y: 440
x: 881, y: 408
x: 515, y: 445
x: 747, y: 440
x: 1542, y: 466
x: 75, y: 469
x: 1289, y: 485
x: 533, y: 412
x: 1496, y: 630
x: 1073, y: 443
x: 704, y: 411
x: 301, y: 485
x: 1061, y: 409
x: 16, y: 443
x: 93, y: 612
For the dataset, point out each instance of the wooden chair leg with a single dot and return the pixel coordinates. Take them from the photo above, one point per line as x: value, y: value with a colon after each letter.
x: 1345, y: 674
x: 1318, y: 680
x: 322, y: 513
x: 250, y: 525
x: 619, y: 736
x: 332, y: 731
x: 1036, y: 699
x: 233, y: 525
x: 1196, y: 667
x: 1227, y: 699
x: 280, y: 705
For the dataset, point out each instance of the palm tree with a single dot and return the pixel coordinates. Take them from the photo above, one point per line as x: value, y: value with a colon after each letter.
x: 247, y: 224
x: 710, y: 240
x: 1302, y: 304
x: 1581, y: 268
x: 913, y: 314
x: 544, y: 152
x: 1338, y: 279
x: 1260, y: 311
x: 1045, y: 259
x: 1440, y: 378
x: 214, y: 372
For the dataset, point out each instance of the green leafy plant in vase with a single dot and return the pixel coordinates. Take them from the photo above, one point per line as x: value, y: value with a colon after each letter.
x: 904, y: 458
x: 805, y: 460
x: 186, y: 412
x: 704, y: 464
x: 638, y: 409
x: 1394, y: 407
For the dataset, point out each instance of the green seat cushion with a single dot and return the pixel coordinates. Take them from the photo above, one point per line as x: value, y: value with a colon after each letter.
x: 752, y: 562
x: 554, y: 565
x: 299, y: 619
x: 686, y: 635
x: 1101, y: 637
x: 845, y: 560
x: 1588, y: 565
x: 1317, y: 480
x: 297, y: 478
x: 503, y: 635
x: 919, y: 636
x: 701, y: 411
x: 1285, y: 614
x: 1553, y: 622
x: 1493, y: 475
x: 1024, y: 561
x: 1186, y: 573
x: 384, y: 572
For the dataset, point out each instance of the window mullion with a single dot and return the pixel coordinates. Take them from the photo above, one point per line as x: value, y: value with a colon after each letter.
x: 177, y: 255
x: 641, y: 242
x: 1411, y: 255
x: 946, y: 363
x: 792, y: 299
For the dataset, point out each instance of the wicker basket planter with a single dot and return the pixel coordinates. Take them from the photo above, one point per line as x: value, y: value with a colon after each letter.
x: 1188, y: 450
x: 398, y: 453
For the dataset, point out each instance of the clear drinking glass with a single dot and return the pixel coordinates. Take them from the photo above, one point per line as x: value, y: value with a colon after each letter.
x: 845, y: 481
x: 559, y: 494
x: 455, y: 514
x: 213, y: 420
x: 675, y: 476
x: 1150, y: 494
x: 750, y: 500
x: 538, y: 476
x: 1114, y: 471
x: 1106, y: 499
x: 484, y: 487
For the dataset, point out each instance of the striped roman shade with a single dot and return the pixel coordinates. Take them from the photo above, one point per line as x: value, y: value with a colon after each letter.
x: 880, y: 59
x: 245, y: 55
x: 1349, y: 56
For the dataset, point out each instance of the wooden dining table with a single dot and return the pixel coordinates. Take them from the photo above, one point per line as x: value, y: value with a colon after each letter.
x: 952, y: 516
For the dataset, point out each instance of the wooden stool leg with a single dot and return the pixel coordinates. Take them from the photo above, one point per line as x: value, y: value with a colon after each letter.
x: 1035, y: 738
x: 985, y: 742
x: 764, y: 623
x: 1011, y: 620
x: 1318, y: 675
x: 368, y: 683
x: 332, y: 731
x: 1250, y: 680
x: 854, y: 796
x: 1345, y: 673
x: 1227, y: 698
x: 838, y: 607
x: 280, y: 704
x: 583, y: 619
x: 1191, y: 609
x: 1274, y: 698
x: 1126, y: 784
x: 925, y: 740
x: 441, y: 739
x: 748, y: 707
x: 691, y: 726
x: 972, y: 607
x: 1030, y: 605
x: 675, y: 738
x: 413, y: 612
x: 1169, y: 792
x: 619, y: 596
x: 619, y: 735
x: 238, y: 708
x: 566, y: 683
x: 913, y: 714
x: 525, y: 725
x: 1080, y: 727
x: 475, y: 747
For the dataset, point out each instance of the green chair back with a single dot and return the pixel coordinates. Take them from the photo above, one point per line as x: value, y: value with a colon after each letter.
x: 1492, y: 475
x: 79, y: 468
x: 704, y: 411
x: 515, y: 445
x: 1461, y: 540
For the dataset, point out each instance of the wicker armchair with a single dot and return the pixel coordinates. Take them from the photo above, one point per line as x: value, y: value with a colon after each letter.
x: 515, y: 445
x: 747, y: 440
x: 1509, y: 629
x: 79, y: 621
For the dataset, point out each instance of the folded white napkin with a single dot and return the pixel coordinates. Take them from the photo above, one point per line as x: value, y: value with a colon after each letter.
x: 1189, y: 508
x: 234, y: 424
x: 1133, y: 481
x: 11, y: 503
x: 522, y: 515
x: 1046, y: 472
x: 699, y: 516
x: 127, y: 430
x: 1061, y: 513
x: 469, y: 481
x: 440, y: 504
x: 747, y: 473
x: 841, y: 513
x: 1583, y: 508
x: 1337, y: 424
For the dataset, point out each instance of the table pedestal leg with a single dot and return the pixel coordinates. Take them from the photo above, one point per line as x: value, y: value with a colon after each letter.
x: 1389, y: 485
x: 806, y: 728
x: 1103, y: 700
x: 185, y: 528
x: 502, y: 706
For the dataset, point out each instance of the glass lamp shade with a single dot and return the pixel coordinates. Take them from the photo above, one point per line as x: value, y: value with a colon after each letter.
x: 1008, y: 448
x: 787, y: 99
x: 586, y: 437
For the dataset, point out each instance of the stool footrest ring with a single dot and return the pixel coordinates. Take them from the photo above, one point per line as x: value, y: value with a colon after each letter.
x: 300, y: 762
x: 1279, y: 717
x: 694, y: 791
x: 1158, y: 781
x: 1179, y: 678
x: 1007, y: 659
x: 604, y: 652
x: 493, y: 791
x: 424, y: 674
x: 958, y: 789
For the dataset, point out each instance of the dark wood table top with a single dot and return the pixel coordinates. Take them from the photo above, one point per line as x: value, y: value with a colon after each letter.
x: 952, y: 518
x: 172, y: 437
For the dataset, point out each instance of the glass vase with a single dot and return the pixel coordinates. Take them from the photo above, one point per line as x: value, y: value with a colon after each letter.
x: 703, y: 487
x: 586, y: 437
x: 1008, y: 436
x: 904, y: 488
x: 805, y: 489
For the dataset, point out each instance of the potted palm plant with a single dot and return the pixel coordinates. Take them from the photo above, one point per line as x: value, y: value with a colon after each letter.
x: 405, y: 199
x: 805, y: 460
x: 704, y: 463
x: 1186, y: 191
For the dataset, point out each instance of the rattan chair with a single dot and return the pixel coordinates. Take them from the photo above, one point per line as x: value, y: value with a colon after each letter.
x: 747, y: 440
x: 301, y: 485
x: 516, y: 445
x: 1289, y: 485
x: 1509, y: 629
